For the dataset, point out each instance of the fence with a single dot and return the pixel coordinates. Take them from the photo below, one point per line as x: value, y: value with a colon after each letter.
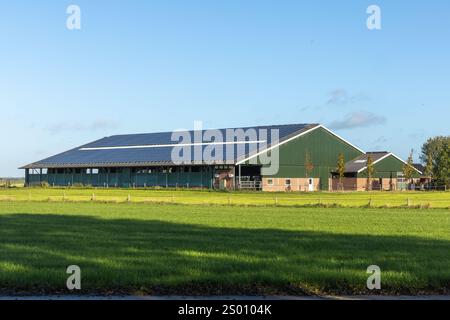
x: 378, y: 187
x: 292, y: 199
x: 249, y: 185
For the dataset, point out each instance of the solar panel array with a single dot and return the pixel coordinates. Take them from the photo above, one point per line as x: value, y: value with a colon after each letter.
x: 142, y: 149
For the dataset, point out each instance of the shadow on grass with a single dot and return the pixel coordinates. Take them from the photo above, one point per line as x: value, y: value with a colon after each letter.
x: 153, y: 256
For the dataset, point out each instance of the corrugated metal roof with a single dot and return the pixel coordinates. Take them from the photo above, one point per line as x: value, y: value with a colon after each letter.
x: 156, y: 149
x: 361, y: 162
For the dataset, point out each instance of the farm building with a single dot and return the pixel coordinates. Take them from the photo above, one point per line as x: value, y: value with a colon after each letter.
x: 388, y: 173
x: 304, y: 157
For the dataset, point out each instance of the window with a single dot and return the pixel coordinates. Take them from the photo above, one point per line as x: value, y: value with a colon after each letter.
x: 78, y: 171
x: 60, y: 171
x: 142, y: 171
x: 270, y: 182
x: 94, y: 171
x: 288, y: 182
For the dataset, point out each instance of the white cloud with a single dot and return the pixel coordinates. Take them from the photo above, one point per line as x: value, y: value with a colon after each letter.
x: 341, y: 97
x: 358, y: 119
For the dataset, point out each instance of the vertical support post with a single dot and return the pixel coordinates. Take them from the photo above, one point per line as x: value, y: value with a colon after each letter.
x: 27, y: 177
x: 239, y: 177
x: 211, y: 180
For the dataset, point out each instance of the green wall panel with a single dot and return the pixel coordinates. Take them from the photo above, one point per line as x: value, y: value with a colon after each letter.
x: 387, y: 168
x: 124, y: 178
x: 323, y: 148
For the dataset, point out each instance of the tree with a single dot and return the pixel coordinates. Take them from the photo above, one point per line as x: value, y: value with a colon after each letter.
x: 341, y: 169
x: 433, y: 147
x: 408, y: 168
x: 370, y: 170
x: 429, y: 166
x: 442, y: 168
x: 432, y: 153
x: 309, y: 166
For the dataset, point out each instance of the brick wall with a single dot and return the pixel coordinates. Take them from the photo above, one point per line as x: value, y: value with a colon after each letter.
x: 297, y: 184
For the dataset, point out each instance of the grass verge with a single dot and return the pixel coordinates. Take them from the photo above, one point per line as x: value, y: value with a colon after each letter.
x: 179, y: 249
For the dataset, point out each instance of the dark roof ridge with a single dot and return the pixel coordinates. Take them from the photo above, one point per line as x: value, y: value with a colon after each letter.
x: 311, y: 125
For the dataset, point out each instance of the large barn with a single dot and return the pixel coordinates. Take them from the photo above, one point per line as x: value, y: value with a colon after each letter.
x: 295, y: 157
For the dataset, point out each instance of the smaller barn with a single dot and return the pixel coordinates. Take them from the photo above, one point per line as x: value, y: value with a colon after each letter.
x: 388, y: 173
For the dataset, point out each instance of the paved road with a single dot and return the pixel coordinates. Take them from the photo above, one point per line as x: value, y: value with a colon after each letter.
x: 74, y: 297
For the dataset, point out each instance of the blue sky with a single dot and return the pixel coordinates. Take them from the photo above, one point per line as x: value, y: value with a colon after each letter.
x: 144, y: 66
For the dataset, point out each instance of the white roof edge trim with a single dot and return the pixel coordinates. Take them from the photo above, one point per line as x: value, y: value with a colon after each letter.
x: 405, y: 162
x: 375, y: 162
x: 279, y: 144
x: 384, y: 157
x: 171, y: 145
x: 299, y: 135
x: 338, y: 136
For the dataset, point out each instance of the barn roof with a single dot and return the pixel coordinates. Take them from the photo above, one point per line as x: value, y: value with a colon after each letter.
x: 359, y: 164
x: 151, y: 149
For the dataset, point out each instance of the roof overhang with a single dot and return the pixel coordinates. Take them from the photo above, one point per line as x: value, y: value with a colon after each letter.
x: 123, y: 164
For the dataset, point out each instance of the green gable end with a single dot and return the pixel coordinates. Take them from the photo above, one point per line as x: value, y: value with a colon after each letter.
x: 323, y: 149
x: 388, y: 167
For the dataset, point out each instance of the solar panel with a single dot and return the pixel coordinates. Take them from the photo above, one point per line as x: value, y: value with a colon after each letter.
x: 135, y: 149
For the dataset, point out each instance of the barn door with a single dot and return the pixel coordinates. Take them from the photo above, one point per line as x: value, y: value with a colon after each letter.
x: 311, y: 184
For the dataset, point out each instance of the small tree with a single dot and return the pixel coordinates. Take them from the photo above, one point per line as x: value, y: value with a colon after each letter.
x: 341, y: 169
x: 309, y: 166
x: 370, y: 170
x: 408, y: 168
x: 429, y: 167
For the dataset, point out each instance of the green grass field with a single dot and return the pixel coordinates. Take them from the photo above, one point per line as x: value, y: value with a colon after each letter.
x: 199, y: 249
x: 348, y: 199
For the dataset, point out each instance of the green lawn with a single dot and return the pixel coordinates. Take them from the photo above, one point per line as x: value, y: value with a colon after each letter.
x: 191, y: 249
x: 348, y: 199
